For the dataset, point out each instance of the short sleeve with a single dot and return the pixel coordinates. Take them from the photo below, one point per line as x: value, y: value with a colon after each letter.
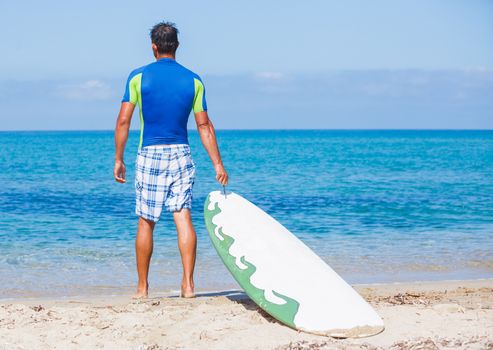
x: 199, y: 102
x: 132, y: 87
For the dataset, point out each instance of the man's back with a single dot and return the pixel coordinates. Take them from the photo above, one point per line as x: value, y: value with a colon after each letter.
x: 166, y: 93
x: 165, y: 170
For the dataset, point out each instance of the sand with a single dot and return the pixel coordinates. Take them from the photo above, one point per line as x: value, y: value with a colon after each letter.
x: 431, y: 315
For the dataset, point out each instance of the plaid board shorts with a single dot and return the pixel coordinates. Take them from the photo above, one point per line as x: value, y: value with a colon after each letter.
x: 164, y: 177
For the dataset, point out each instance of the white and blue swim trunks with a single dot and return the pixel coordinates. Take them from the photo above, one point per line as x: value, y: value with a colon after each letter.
x: 164, y: 177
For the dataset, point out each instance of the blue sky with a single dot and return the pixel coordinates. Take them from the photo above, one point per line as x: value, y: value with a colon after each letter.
x: 275, y: 64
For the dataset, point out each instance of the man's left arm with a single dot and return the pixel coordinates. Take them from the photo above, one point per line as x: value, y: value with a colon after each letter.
x: 121, y: 136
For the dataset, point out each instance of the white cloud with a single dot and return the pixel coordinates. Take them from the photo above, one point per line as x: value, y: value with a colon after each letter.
x: 419, y: 80
x: 89, y: 90
x: 376, y: 89
x: 269, y: 75
x: 478, y: 69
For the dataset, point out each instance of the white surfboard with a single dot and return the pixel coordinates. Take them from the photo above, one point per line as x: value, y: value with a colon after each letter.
x: 281, y: 274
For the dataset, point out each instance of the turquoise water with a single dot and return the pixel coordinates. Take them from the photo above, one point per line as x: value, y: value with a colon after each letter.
x: 378, y: 206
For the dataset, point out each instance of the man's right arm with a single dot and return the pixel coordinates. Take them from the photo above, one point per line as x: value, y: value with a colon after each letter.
x: 121, y: 136
x: 208, y: 137
x: 130, y: 99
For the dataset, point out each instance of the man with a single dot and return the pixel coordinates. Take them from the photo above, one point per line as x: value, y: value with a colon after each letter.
x: 166, y: 92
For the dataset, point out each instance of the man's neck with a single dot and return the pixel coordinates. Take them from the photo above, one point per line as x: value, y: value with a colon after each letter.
x: 165, y: 56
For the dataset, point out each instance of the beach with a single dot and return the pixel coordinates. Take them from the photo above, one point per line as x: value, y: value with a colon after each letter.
x: 382, y: 208
x: 260, y: 160
x: 419, y: 315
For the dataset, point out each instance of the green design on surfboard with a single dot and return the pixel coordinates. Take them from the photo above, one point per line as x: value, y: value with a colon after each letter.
x: 284, y: 312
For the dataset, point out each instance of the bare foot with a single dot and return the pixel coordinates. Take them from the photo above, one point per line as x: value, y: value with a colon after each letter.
x: 141, y: 293
x: 187, y: 292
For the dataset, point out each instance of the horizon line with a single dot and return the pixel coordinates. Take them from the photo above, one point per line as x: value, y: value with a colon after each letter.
x: 266, y: 129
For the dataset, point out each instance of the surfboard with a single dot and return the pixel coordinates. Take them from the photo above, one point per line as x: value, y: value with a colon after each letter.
x: 281, y: 274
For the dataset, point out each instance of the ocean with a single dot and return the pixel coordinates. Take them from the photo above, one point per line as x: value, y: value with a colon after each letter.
x: 377, y: 205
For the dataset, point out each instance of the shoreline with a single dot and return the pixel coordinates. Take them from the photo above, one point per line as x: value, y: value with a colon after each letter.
x: 425, y: 315
x: 421, y: 285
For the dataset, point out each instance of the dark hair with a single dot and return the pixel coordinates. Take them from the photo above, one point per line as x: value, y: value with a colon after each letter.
x: 165, y: 36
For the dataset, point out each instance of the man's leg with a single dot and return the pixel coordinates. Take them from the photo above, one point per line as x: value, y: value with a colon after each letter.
x: 187, y: 243
x: 143, y: 250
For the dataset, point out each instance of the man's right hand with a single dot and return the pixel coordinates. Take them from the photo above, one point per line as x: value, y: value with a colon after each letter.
x: 221, y: 174
x: 119, y: 171
x: 208, y: 137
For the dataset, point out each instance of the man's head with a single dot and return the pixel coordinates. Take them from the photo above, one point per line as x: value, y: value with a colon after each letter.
x: 164, y: 37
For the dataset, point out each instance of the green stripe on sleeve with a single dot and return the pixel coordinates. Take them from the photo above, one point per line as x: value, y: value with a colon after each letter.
x: 136, y: 97
x: 134, y: 88
x: 198, y: 101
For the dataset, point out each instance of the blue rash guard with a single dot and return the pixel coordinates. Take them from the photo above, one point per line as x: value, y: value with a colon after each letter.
x: 166, y: 93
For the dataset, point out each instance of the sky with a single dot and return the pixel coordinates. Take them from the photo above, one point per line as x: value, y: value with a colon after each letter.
x: 265, y: 64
